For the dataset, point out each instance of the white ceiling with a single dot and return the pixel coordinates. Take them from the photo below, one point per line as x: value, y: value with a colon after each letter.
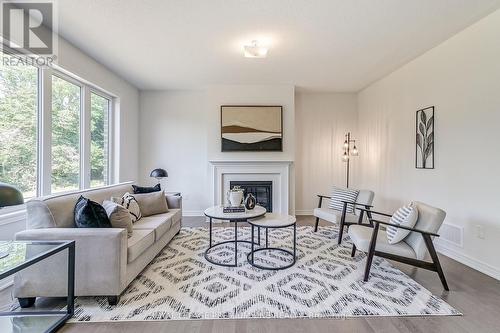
x: 320, y: 45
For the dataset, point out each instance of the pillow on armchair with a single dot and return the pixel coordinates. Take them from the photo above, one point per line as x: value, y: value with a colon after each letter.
x: 343, y: 194
x: 406, y: 216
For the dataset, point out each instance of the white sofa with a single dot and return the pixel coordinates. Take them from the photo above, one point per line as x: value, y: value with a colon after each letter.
x: 106, y: 260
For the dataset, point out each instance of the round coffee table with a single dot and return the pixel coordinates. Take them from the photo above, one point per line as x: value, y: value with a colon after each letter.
x: 216, y: 212
x: 273, y: 221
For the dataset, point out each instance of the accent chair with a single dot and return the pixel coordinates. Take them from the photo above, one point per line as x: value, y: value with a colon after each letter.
x: 411, y: 250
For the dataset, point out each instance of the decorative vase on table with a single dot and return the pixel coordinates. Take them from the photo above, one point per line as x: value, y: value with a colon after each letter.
x: 235, y: 196
x: 250, y: 201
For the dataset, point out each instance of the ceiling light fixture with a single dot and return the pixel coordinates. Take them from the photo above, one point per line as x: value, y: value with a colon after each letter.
x: 254, y: 50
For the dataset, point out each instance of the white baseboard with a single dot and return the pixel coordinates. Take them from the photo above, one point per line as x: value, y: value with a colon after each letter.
x: 192, y: 213
x: 303, y: 212
x: 478, y: 265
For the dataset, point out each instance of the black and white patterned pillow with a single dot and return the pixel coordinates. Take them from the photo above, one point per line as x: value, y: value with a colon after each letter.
x: 343, y: 194
x: 406, y: 216
x: 128, y: 201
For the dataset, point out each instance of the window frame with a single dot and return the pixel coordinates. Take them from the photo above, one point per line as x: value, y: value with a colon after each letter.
x: 44, y: 128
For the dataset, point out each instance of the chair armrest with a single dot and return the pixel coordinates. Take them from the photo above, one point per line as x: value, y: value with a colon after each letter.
x: 324, y: 196
x: 100, y: 262
x: 357, y: 204
x: 373, y: 212
x: 406, y: 228
x: 174, y: 201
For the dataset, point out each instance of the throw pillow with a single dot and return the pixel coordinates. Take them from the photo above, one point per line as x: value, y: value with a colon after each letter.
x: 152, y: 203
x: 89, y: 214
x: 142, y: 189
x: 130, y: 203
x: 119, y: 216
x: 406, y: 216
x: 343, y: 194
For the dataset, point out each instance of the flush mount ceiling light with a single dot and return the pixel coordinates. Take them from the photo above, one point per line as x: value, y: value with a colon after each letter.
x: 254, y: 50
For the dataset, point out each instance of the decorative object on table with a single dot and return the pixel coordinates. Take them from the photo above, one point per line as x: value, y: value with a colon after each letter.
x: 350, y: 149
x: 250, y: 201
x: 229, y: 209
x: 146, y: 189
x: 235, y: 196
x: 251, y: 128
x: 424, y: 150
x: 90, y: 214
x: 159, y: 174
x: 9, y: 196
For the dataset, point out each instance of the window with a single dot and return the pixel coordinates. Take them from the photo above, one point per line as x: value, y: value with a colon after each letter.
x: 65, y: 155
x: 54, y: 130
x: 99, y: 113
x: 18, y: 125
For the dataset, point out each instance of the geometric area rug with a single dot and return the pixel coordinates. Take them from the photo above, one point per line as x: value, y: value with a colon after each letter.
x: 325, y: 282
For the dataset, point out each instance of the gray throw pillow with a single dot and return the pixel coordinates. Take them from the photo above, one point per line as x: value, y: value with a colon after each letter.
x: 118, y: 216
x: 152, y: 203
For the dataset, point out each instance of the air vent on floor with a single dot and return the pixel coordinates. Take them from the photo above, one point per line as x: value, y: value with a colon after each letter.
x: 452, y: 234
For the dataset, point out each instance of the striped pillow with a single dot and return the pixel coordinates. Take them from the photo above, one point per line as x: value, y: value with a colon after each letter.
x: 406, y: 216
x: 343, y: 194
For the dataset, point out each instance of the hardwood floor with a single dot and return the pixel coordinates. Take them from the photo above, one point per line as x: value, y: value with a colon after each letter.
x: 476, y: 295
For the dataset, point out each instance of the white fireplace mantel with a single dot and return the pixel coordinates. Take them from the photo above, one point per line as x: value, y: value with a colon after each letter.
x: 276, y: 171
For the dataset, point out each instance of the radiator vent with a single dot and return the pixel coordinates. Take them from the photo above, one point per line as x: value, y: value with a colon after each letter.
x: 452, y: 234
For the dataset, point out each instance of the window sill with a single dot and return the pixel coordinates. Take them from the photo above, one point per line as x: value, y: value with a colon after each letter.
x: 12, y: 214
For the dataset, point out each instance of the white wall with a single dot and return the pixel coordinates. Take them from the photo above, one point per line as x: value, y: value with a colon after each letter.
x: 322, y: 119
x: 461, y: 78
x: 188, y: 124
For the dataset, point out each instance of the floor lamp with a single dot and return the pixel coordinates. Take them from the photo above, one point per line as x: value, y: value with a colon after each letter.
x: 350, y: 149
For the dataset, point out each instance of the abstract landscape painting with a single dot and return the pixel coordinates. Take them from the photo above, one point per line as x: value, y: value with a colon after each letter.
x: 251, y: 128
x: 424, y: 154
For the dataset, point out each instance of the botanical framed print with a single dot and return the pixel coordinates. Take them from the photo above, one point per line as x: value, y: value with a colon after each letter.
x: 251, y: 128
x: 424, y: 150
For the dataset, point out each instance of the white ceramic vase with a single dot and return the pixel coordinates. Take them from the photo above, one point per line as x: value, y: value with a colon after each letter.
x: 235, y: 198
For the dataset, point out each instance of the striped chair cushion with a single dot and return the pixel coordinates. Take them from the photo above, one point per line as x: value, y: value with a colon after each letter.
x: 406, y: 216
x: 343, y: 194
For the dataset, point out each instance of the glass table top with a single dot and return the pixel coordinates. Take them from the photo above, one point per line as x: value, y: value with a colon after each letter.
x: 28, y: 324
x: 19, y: 252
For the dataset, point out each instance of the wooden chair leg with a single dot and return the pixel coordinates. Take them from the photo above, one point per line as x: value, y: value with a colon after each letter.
x: 371, y: 252
x: 342, y: 221
x: 316, y: 225
x: 435, y: 260
x: 353, y: 253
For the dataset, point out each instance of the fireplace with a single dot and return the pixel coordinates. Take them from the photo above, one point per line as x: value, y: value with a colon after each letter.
x: 262, y: 190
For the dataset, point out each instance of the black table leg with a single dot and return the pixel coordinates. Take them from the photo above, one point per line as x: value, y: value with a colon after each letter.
x: 210, y: 232
x: 71, y: 279
x: 235, y: 243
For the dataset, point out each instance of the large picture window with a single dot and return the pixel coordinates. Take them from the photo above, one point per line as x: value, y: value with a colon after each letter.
x: 18, y: 126
x: 54, y: 130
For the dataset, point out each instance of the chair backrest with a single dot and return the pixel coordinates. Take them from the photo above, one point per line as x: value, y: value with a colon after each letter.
x: 429, y: 219
x: 364, y: 197
x: 57, y: 211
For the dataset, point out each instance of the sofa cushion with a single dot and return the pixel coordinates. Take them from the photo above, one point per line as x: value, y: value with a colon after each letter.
x: 140, y: 241
x: 90, y: 214
x: 118, y: 216
x: 361, y: 237
x: 152, y: 203
x: 143, y: 189
x: 333, y: 216
x: 160, y: 223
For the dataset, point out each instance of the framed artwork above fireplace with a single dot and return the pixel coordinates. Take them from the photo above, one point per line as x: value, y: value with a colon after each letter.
x: 251, y: 128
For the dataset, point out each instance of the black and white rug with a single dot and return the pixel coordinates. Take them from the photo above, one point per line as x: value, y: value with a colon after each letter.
x: 325, y: 282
